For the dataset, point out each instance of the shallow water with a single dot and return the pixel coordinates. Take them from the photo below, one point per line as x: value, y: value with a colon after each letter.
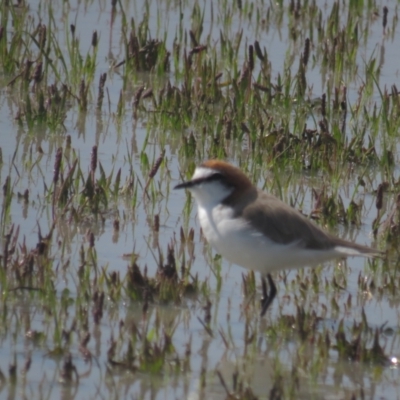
x: 257, y: 363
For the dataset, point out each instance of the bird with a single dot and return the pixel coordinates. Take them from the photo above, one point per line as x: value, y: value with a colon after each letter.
x: 256, y: 230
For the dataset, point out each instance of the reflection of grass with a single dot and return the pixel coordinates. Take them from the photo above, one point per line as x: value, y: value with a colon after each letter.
x: 205, y: 95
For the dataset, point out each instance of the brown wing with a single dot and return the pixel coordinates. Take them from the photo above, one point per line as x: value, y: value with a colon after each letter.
x: 285, y: 225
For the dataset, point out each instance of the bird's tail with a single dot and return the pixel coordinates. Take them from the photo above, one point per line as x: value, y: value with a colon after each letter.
x: 353, y: 249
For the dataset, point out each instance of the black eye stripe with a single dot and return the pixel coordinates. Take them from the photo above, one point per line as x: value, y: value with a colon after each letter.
x: 217, y: 176
x: 211, y: 178
x: 214, y: 177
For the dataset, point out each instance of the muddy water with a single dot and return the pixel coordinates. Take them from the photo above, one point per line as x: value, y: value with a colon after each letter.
x: 258, y: 364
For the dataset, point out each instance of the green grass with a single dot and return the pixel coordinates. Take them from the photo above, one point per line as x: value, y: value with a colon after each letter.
x: 103, y: 119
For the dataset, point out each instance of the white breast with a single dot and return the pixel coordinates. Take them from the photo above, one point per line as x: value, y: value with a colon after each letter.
x: 235, y: 240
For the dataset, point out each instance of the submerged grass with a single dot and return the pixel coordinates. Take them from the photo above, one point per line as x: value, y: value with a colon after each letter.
x: 209, y: 88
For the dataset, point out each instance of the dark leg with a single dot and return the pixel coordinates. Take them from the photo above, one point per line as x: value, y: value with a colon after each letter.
x: 267, y: 298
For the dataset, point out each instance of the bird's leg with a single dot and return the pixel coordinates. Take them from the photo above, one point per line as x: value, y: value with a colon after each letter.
x: 267, y: 298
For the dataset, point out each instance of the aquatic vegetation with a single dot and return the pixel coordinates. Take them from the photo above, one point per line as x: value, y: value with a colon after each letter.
x: 107, y: 284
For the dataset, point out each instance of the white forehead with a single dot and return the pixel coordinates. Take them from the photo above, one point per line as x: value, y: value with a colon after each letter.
x: 208, y: 193
x: 202, y: 172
